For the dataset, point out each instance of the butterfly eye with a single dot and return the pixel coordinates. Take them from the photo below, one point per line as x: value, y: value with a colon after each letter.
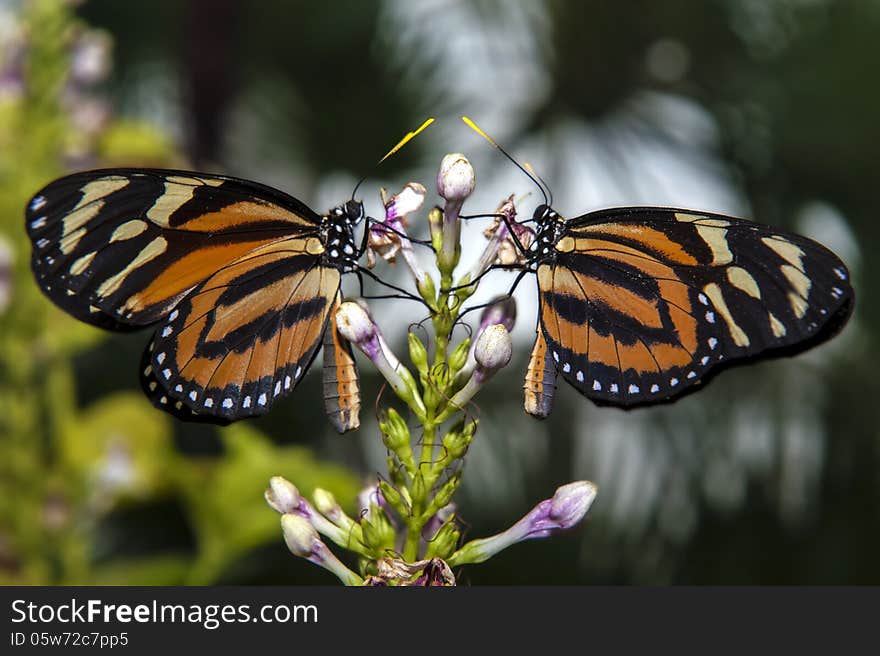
x: 541, y: 212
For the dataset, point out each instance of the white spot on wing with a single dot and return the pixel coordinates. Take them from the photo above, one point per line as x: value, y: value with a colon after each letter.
x: 634, y: 389
x: 227, y: 403
x: 597, y: 386
x: 262, y: 399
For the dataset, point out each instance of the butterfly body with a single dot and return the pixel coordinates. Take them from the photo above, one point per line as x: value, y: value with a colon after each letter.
x: 240, y: 279
x: 639, y: 305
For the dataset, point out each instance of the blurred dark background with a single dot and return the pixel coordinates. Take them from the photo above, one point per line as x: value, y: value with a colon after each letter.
x: 766, y: 109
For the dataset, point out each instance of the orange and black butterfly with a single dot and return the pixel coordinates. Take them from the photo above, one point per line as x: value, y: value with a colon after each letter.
x: 241, y: 280
x: 639, y: 305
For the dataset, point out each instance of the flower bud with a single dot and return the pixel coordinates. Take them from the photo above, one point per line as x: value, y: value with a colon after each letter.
x: 299, y: 535
x: 355, y: 324
x: 502, y: 309
x: 566, y: 508
x: 456, y: 178
x: 327, y: 505
x: 493, y: 348
x: 378, y: 531
x: 282, y: 495
x: 571, y: 502
x: 455, y: 182
x: 418, y: 354
x: 303, y: 541
x: 443, y: 542
x: 459, y: 356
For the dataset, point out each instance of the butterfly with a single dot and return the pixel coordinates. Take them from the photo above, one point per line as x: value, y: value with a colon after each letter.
x: 241, y: 281
x: 640, y: 305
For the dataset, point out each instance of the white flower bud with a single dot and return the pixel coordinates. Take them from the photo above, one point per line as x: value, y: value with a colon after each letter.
x: 494, y: 347
x: 354, y: 323
x: 299, y: 535
x: 456, y: 179
x: 282, y: 495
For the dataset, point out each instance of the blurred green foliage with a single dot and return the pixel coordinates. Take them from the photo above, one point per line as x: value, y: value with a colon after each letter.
x: 66, y: 468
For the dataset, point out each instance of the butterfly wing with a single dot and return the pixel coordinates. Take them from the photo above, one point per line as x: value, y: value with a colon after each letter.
x: 641, y: 304
x: 245, y: 336
x: 118, y: 248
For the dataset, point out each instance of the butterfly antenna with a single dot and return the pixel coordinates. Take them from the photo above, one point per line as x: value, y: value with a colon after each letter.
x: 473, y: 126
x: 543, y: 183
x: 400, y: 144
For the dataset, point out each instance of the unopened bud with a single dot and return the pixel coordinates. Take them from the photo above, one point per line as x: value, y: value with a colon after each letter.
x: 282, y: 495
x: 456, y: 178
x: 493, y: 348
x: 355, y: 324
x: 299, y: 535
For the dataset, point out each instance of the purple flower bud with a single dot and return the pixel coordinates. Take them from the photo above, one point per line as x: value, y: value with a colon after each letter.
x: 570, y: 503
x: 303, y: 541
x: 434, y: 524
x: 501, y: 310
x: 566, y: 508
x: 370, y: 496
x: 356, y: 325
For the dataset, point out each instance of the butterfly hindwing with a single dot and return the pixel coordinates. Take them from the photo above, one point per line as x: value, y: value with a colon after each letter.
x: 121, y: 247
x: 641, y: 304
x: 244, y: 337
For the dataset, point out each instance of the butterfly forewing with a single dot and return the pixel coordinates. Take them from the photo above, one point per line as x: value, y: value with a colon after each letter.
x: 123, y: 246
x: 641, y: 304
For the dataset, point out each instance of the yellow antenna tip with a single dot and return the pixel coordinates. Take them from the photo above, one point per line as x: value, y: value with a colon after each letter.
x: 473, y: 126
x: 409, y: 137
